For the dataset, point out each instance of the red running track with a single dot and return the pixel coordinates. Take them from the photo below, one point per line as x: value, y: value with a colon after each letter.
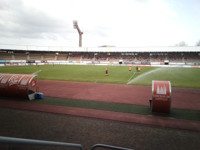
x: 181, y: 98
x: 129, y: 94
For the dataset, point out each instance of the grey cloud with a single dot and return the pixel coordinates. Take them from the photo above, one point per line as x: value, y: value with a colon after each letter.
x: 20, y: 22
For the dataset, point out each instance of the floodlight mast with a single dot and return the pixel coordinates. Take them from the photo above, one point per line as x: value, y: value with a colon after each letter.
x: 79, y: 32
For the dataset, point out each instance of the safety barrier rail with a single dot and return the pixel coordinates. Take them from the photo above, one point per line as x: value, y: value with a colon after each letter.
x: 22, y: 141
x: 108, y: 147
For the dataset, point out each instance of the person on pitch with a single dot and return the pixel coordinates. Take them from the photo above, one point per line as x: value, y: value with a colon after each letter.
x: 139, y: 69
x: 106, y: 71
x: 130, y: 68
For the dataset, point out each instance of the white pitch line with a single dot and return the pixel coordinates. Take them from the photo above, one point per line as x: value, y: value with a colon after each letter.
x: 131, y: 77
x: 146, y: 73
x: 35, y: 73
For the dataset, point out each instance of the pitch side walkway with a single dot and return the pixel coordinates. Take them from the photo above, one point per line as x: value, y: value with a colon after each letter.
x: 108, y: 115
x: 129, y: 94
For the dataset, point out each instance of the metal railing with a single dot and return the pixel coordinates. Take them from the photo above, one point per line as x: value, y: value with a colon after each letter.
x: 108, y: 147
x: 22, y: 141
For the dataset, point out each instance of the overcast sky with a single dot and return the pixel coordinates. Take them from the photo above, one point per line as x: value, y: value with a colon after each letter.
x: 122, y: 23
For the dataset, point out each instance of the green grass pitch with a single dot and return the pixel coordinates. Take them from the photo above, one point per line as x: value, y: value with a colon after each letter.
x: 179, y: 77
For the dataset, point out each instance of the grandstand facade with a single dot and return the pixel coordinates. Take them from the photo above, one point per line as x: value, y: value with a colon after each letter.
x: 100, y: 55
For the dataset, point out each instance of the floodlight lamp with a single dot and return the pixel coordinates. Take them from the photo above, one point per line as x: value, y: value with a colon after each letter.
x: 75, y: 23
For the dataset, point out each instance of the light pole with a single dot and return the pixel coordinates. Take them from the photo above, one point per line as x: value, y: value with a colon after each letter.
x: 75, y: 23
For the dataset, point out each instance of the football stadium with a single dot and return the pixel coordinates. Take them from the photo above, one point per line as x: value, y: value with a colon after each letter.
x: 80, y: 101
x: 126, y: 77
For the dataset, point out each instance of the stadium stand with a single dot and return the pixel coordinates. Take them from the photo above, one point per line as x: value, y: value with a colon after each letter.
x: 6, y: 56
x: 35, y: 56
x: 138, y: 55
x: 20, y: 56
x: 49, y: 56
x: 142, y: 57
x: 175, y: 56
x: 127, y: 57
x: 191, y: 57
x: 62, y: 56
x: 101, y: 56
x: 158, y: 57
x: 114, y: 56
x: 74, y: 56
x: 88, y: 56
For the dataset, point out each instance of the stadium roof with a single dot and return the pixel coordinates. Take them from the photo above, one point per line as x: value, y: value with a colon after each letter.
x: 99, y: 49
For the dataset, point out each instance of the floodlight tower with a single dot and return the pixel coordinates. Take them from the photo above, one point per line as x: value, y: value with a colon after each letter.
x: 79, y: 32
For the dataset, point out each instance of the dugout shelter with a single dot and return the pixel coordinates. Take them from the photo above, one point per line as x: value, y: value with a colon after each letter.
x: 18, y: 85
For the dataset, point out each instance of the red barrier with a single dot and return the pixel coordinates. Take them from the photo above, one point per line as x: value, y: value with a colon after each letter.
x: 18, y: 85
x: 161, y: 96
